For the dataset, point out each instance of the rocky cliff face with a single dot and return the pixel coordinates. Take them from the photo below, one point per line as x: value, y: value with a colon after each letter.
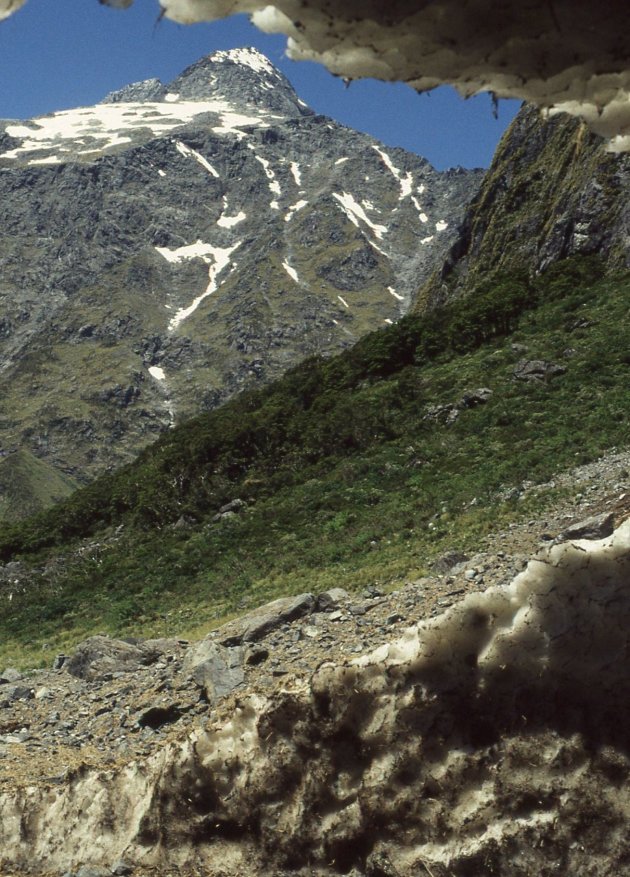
x: 552, y: 192
x: 174, y: 244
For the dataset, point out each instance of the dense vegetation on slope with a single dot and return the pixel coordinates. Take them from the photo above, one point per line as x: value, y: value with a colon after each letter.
x: 355, y: 469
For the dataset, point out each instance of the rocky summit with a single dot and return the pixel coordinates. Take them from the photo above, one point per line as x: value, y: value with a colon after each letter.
x: 175, y: 244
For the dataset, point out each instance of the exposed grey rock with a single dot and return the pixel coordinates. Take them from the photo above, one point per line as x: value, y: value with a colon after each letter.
x: 90, y: 871
x: 596, y: 527
x: 101, y: 655
x: 329, y: 600
x: 236, y: 505
x: 9, y: 693
x: 472, y: 398
x: 156, y: 716
x: 215, y: 669
x: 446, y: 562
x: 121, y: 868
x: 258, y: 624
x: 147, y: 90
x: 255, y: 655
x: 537, y: 370
x: 443, y: 413
x: 10, y: 675
x: 184, y: 522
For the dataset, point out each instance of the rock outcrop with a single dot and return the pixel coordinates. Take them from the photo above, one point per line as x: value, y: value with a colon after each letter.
x: 552, y: 191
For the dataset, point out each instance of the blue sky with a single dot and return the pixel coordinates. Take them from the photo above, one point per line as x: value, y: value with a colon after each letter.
x: 57, y: 54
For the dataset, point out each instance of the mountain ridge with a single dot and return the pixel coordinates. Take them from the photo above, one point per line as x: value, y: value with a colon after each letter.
x: 160, y: 256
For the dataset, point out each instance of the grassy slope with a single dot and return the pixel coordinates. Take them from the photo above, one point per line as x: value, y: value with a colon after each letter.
x: 347, y: 480
x: 29, y: 485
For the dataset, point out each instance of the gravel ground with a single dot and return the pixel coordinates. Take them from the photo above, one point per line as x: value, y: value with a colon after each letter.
x: 53, y: 723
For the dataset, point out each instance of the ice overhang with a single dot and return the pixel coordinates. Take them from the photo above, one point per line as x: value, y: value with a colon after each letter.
x: 562, y: 55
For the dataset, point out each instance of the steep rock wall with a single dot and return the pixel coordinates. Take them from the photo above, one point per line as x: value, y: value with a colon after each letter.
x: 552, y: 191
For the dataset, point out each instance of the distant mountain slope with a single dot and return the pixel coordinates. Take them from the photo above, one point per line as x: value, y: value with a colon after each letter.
x: 551, y: 192
x: 167, y: 248
x: 29, y: 485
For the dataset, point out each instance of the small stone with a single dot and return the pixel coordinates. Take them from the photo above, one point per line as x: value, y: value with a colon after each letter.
x: 255, y: 656
x: 537, y: 370
x: 394, y: 618
x: 447, y: 561
x: 10, y: 675
x: 331, y: 598
x: 157, y: 716
x: 11, y: 693
x: 214, y: 668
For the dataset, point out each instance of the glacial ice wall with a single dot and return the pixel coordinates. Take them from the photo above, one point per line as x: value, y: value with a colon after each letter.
x: 492, y: 739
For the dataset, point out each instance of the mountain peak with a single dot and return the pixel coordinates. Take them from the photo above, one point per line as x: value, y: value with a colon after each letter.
x: 248, y: 56
x: 240, y: 76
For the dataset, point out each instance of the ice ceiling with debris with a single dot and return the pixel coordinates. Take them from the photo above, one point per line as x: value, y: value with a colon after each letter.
x: 563, y: 55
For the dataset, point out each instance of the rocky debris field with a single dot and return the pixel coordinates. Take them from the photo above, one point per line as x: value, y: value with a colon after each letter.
x: 116, y: 700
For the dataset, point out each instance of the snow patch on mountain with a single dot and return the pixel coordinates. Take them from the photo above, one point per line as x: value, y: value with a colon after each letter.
x: 421, y: 214
x: 248, y: 57
x: 158, y: 374
x: 294, y: 209
x: 230, y: 221
x: 406, y: 182
x: 222, y: 257
x: 192, y: 153
x: 198, y: 250
x: 274, y: 185
x: 355, y: 212
x: 87, y: 131
x: 291, y: 271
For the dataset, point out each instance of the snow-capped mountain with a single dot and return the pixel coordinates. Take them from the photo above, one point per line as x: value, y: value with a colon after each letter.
x: 176, y: 243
